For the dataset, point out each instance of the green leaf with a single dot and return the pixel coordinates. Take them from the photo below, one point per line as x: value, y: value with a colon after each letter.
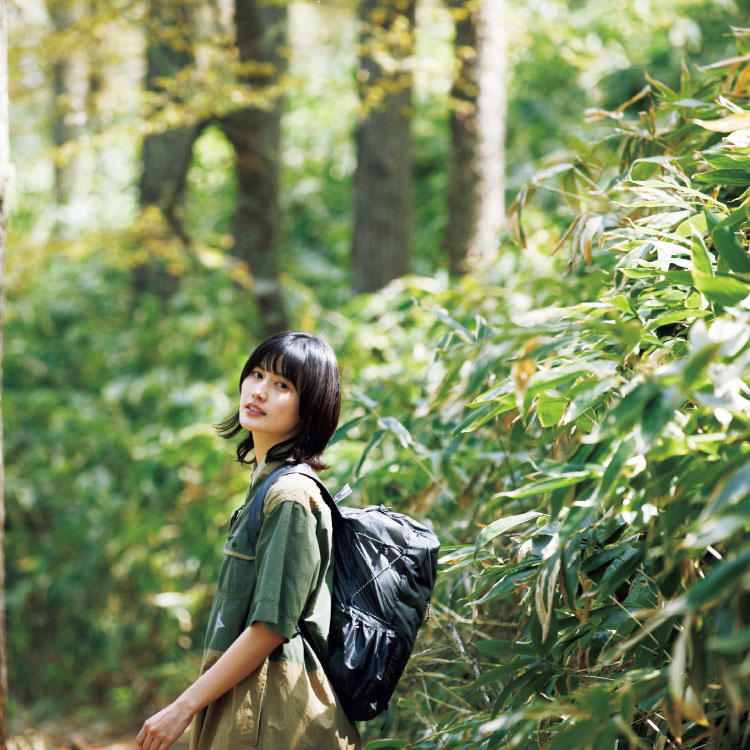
x: 736, y: 218
x: 644, y: 169
x: 715, y: 530
x: 722, y: 160
x: 624, y: 415
x: 657, y: 413
x: 676, y: 316
x: 503, y: 525
x: 486, y: 413
x: 725, y: 177
x: 503, y: 389
x: 730, y: 491
x: 386, y: 744
x: 619, y: 570
x: 443, y: 316
x: 722, y: 577
x: 493, y: 676
x: 701, y: 258
x: 722, y: 289
x: 391, y: 424
x: 550, y: 407
x: 458, y: 554
x: 596, y: 700
x: 545, y: 485
x: 576, y: 736
x: 494, y: 648
x: 621, y: 302
x: 697, y: 363
x: 613, y: 471
x: 591, y: 396
x: 730, y: 249
x: 344, y: 428
x: 374, y: 440
x: 731, y: 643
x: 607, y: 739
x: 696, y: 222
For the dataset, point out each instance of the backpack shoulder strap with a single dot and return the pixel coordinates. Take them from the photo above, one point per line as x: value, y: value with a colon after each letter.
x: 255, y: 517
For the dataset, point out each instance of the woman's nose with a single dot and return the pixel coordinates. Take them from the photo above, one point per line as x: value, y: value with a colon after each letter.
x: 259, y: 389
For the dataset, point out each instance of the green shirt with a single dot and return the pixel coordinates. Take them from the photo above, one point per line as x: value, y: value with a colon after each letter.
x: 287, y: 703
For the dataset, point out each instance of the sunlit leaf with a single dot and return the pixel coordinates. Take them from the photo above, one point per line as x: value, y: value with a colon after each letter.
x: 550, y: 407
x: 726, y: 124
x: 722, y: 288
x: 503, y: 525
x: 545, y: 485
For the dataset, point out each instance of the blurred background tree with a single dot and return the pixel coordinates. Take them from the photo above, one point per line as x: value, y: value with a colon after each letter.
x: 4, y: 175
x: 189, y: 176
x: 476, y: 197
x: 383, y: 187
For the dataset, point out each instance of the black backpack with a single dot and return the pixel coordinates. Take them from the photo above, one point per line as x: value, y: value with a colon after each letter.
x: 385, y: 566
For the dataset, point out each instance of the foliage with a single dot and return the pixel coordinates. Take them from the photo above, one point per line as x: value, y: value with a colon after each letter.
x: 111, y: 540
x: 600, y: 441
x: 605, y: 599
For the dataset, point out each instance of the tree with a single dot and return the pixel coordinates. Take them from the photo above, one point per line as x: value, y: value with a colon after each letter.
x: 4, y: 173
x: 68, y: 82
x: 477, y: 179
x: 166, y: 154
x: 255, y: 131
x: 382, y: 245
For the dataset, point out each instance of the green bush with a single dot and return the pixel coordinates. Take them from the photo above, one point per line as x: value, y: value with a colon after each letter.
x: 599, y: 439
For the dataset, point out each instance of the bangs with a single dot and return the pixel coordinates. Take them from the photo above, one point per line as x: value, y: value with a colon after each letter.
x: 284, y: 365
x: 283, y: 359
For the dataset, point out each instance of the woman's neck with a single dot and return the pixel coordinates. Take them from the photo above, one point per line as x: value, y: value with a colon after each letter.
x: 262, y: 446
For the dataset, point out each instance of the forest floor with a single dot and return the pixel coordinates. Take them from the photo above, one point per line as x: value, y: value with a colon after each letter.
x: 55, y: 740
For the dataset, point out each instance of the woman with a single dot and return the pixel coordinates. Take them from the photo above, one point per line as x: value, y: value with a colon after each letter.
x: 261, y: 685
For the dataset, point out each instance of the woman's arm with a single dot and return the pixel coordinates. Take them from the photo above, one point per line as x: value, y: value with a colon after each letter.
x: 245, y: 655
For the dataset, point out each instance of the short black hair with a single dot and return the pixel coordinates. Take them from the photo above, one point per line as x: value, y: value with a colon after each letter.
x: 309, y: 363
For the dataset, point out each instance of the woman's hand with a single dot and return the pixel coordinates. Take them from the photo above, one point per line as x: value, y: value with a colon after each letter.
x: 162, y: 729
x: 246, y: 654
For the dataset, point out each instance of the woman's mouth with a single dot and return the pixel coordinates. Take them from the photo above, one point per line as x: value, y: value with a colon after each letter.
x: 254, y: 410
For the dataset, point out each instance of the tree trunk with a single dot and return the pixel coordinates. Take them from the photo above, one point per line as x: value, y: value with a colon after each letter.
x: 166, y: 156
x: 477, y: 170
x: 255, y: 135
x: 68, y: 115
x: 382, y: 242
x: 4, y: 171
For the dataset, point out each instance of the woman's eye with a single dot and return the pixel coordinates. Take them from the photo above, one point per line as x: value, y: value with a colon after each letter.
x: 282, y: 385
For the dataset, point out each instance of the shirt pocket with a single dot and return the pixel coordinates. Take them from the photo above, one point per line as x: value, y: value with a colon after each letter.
x: 237, y: 570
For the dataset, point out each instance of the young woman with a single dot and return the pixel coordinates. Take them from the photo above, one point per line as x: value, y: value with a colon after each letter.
x: 261, y: 685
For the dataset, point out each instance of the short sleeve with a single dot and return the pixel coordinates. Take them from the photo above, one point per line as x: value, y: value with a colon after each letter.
x: 287, y: 560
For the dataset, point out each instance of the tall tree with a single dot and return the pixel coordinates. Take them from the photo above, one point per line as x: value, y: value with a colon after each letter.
x: 68, y: 117
x: 255, y: 134
x: 4, y: 172
x: 166, y: 155
x: 477, y: 168
x: 382, y: 244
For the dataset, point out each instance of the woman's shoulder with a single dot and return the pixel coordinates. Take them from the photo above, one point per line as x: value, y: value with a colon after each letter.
x: 296, y: 488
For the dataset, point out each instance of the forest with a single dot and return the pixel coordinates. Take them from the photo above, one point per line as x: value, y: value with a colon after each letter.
x: 524, y: 230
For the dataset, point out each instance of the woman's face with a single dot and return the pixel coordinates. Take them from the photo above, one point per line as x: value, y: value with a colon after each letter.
x: 269, y: 406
